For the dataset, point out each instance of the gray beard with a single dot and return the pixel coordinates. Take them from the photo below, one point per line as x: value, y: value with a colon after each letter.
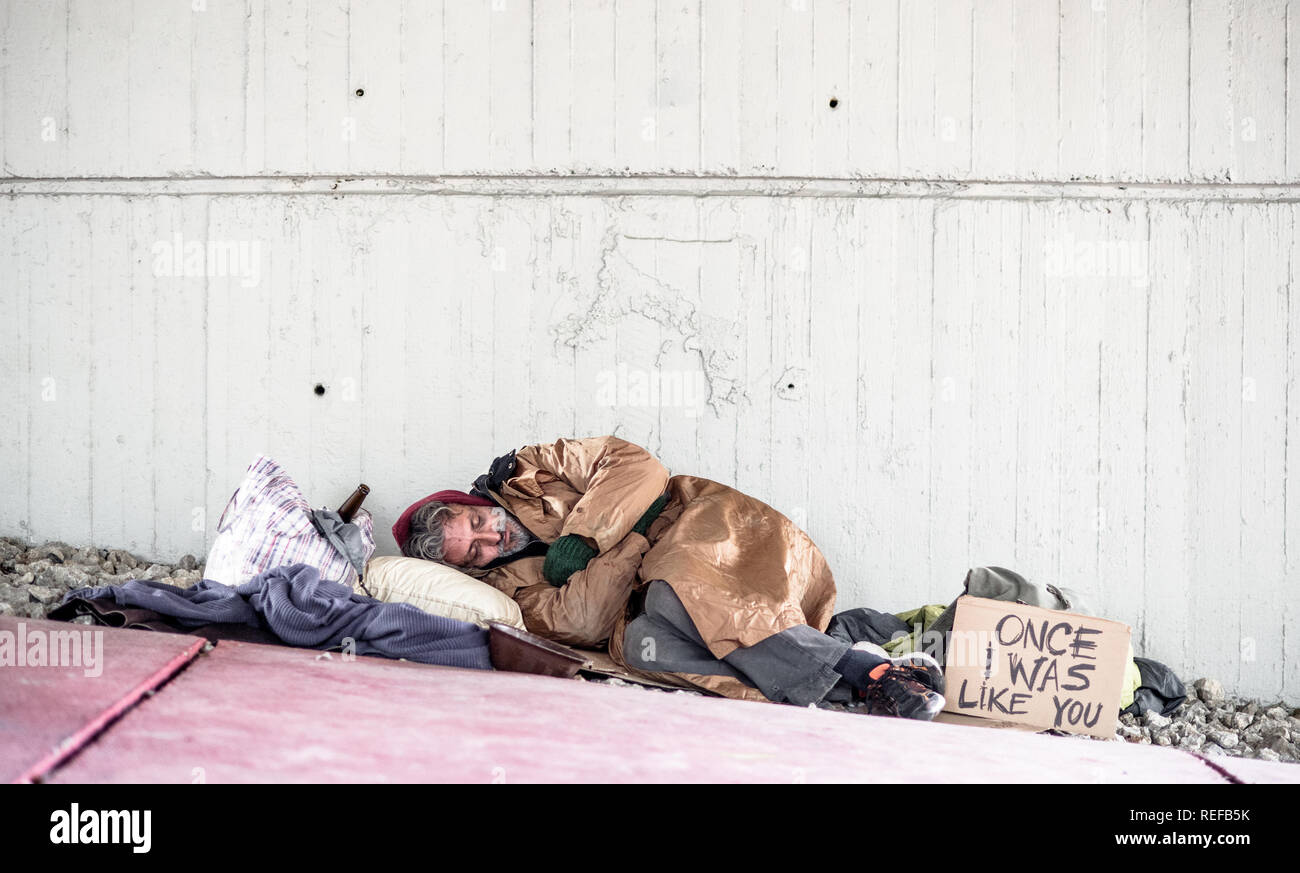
x: 519, y: 535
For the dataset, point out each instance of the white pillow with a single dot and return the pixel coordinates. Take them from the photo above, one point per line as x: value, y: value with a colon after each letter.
x: 439, y: 590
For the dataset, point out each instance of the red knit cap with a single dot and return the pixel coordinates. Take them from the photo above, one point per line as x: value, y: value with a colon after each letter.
x: 402, y: 529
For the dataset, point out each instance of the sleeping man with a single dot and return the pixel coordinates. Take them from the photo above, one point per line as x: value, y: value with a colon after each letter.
x: 686, y: 580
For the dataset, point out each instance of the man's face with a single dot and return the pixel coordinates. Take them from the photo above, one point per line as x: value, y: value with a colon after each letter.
x: 474, y: 536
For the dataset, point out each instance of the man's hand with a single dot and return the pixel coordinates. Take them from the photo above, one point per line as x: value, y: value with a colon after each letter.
x: 566, y: 556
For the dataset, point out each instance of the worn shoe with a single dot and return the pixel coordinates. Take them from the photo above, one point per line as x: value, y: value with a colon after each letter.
x: 920, y: 666
x: 896, y: 693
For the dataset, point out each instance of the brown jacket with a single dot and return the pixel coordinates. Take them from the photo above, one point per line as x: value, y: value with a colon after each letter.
x: 742, y: 570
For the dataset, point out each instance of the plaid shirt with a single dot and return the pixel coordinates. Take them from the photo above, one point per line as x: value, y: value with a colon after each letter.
x: 267, y: 524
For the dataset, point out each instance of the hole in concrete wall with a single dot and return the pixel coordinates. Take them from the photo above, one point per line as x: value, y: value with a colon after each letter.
x: 361, y: 92
x: 319, y: 389
x: 835, y: 101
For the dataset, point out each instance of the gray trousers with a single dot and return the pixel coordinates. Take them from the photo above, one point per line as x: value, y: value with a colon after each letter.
x: 794, y: 666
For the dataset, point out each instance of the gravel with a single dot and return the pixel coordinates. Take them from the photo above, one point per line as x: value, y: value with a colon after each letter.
x: 1211, y: 722
x: 33, y: 579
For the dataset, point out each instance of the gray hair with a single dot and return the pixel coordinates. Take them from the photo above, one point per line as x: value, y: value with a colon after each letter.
x: 425, y: 540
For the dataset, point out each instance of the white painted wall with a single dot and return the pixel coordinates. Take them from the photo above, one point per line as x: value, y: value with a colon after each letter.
x: 1023, y: 297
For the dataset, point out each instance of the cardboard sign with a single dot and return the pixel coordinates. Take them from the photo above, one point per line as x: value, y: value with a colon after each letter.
x: 1042, y: 667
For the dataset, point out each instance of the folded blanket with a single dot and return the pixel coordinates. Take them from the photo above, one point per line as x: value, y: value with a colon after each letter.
x: 302, y: 609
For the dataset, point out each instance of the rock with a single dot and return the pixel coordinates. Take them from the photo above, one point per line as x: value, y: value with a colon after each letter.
x: 1271, y: 730
x: 1129, y: 733
x: 85, y: 556
x: 1154, y: 719
x: 6, y: 608
x: 1250, y: 707
x: 155, y: 571
x: 9, y: 553
x: 1163, y: 739
x: 188, y: 562
x: 1276, y: 712
x: 33, y: 610
x: 123, y: 560
x: 1191, y: 742
x: 44, y: 596
x: 25, y: 579
x: 54, y: 554
x: 1224, y: 739
x: 70, y: 577
x: 15, y: 597
x: 1267, y: 755
x: 1238, y: 721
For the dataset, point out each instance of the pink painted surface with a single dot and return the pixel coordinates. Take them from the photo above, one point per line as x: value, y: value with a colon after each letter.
x: 1254, y: 770
x: 249, y: 713
x: 48, y: 712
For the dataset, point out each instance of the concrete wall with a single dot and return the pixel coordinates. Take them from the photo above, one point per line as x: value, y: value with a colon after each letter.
x: 1022, y: 296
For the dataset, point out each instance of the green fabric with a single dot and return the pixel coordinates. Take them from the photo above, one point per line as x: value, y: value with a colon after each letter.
x: 923, y: 616
x: 650, y: 515
x: 1132, y: 679
x: 566, y: 556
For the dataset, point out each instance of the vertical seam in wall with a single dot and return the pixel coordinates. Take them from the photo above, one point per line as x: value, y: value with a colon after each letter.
x: 443, y: 83
x: 1286, y: 435
x: 90, y: 391
x: 1020, y: 337
x: 348, y: 89
x: 532, y: 85
x: 1146, y: 442
x: 1232, y: 103
x: 194, y: 89
x: 207, y: 397
x: 970, y: 125
x: 1241, y: 438
x: 1142, y: 100
x: 613, y: 132
x: 1186, y: 235
x: 898, y: 86
x: 1190, y: 43
x: 1060, y: 137
x: 699, y: 105
x: 67, y: 79
x: 658, y: 133
x: 1099, y: 512
x: 1015, y: 155
x: 929, y: 527
x: 970, y: 393
x: 569, y: 108
x: 153, y: 417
